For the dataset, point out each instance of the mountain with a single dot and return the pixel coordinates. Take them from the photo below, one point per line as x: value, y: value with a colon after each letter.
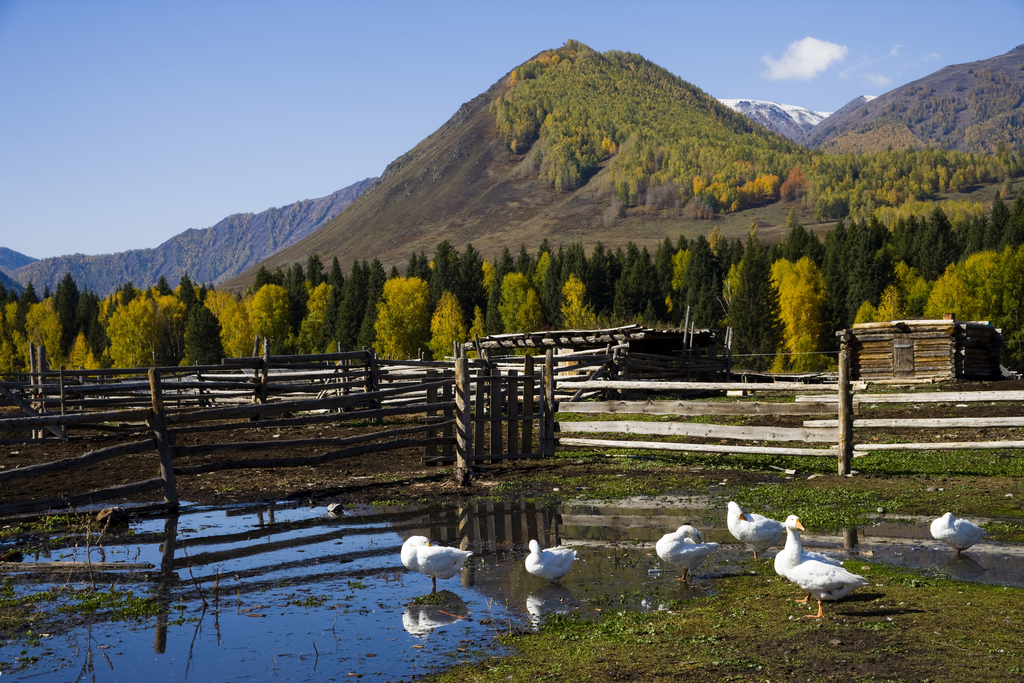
x: 573, y: 145
x: 12, y: 260
x: 785, y: 119
x: 211, y: 255
x: 971, y: 107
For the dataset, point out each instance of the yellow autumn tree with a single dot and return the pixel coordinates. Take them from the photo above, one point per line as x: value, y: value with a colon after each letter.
x: 312, y: 327
x: 447, y: 326
x: 171, y: 318
x: 236, y: 333
x: 541, y: 271
x: 520, y: 306
x: 403, y: 317
x: 269, y: 313
x: 800, y: 286
x: 81, y: 356
x: 576, y: 313
x: 43, y: 327
x: 134, y: 334
x: 951, y: 295
x: 478, y: 328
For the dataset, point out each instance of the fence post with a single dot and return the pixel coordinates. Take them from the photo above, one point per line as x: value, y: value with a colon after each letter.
x: 430, y: 450
x: 463, y: 423
x: 513, y: 413
x: 447, y: 391
x: 528, y: 415
x: 481, y: 400
x: 373, y: 381
x: 494, y: 402
x: 158, y: 424
x: 845, y: 414
x: 549, y: 401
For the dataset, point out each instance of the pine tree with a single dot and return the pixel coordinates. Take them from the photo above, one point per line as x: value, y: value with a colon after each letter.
x: 202, y: 338
x: 187, y: 292
x: 298, y: 295
x: 445, y: 274
x: 754, y: 310
x: 314, y: 270
x: 353, y: 306
x: 163, y: 287
x: 66, y: 305
x: 703, y: 285
x: 374, y: 290
x: 835, y: 275
x: 495, y: 325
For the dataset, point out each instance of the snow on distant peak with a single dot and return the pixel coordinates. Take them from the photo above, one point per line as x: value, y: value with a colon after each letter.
x: 788, y: 120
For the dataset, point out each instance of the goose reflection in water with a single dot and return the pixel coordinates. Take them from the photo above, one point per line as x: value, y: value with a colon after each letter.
x: 551, y: 599
x: 963, y: 568
x: 422, y: 620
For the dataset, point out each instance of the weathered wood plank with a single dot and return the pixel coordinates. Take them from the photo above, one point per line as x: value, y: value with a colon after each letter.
x: 925, y: 397
x: 709, y: 431
x: 22, y: 567
x: 698, y: 386
x: 940, y: 422
x: 698, y: 447
x: 944, y: 446
x: 819, y: 407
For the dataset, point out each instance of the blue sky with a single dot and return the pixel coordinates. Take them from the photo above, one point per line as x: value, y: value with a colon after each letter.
x: 125, y: 123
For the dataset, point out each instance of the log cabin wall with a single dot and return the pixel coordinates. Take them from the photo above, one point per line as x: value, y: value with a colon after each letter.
x: 924, y: 349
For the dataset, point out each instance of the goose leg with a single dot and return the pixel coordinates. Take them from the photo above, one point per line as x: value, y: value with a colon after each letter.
x: 819, y: 615
x: 434, y: 579
x: 755, y: 554
x: 805, y: 599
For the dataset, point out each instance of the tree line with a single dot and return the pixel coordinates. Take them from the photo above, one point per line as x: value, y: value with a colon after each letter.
x: 784, y: 302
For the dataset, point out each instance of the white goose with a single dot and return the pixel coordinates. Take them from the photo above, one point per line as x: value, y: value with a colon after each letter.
x: 685, y: 548
x: 794, y: 553
x: 958, y: 533
x: 757, y: 531
x: 822, y: 580
x: 437, y: 562
x: 551, y: 564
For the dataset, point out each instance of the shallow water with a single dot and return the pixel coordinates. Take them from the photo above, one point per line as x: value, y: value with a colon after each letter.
x: 298, y: 593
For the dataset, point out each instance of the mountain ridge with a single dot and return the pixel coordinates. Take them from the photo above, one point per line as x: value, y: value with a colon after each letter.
x: 970, y: 107
x: 788, y: 120
x: 208, y: 255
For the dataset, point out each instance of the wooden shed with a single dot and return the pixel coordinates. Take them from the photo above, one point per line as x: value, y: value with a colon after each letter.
x: 647, y: 353
x: 923, y: 349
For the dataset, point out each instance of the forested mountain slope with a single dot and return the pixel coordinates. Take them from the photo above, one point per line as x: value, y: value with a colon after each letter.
x: 559, y: 148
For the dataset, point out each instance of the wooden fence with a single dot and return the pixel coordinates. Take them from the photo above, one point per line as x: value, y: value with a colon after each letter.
x: 470, y: 412
x: 838, y: 432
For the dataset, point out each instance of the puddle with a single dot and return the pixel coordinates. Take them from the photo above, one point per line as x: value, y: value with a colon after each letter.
x: 298, y: 593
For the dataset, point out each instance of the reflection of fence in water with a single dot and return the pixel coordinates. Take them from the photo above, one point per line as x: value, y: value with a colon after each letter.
x: 491, y: 526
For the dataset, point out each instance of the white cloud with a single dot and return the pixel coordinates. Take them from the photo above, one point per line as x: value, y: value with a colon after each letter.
x: 804, y: 60
x: 897, y: 50
x: 877, y: 79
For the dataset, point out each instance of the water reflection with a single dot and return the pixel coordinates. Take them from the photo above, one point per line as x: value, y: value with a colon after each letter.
x: 551, y: 599
x: 297, y: 592
x: 422, y: 620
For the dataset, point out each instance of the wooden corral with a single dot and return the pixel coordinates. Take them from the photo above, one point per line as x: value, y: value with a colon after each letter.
x: 923, y: 349
x: 641, y: 352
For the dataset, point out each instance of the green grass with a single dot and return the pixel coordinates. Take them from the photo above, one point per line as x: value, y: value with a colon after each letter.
x: 904, y: 626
